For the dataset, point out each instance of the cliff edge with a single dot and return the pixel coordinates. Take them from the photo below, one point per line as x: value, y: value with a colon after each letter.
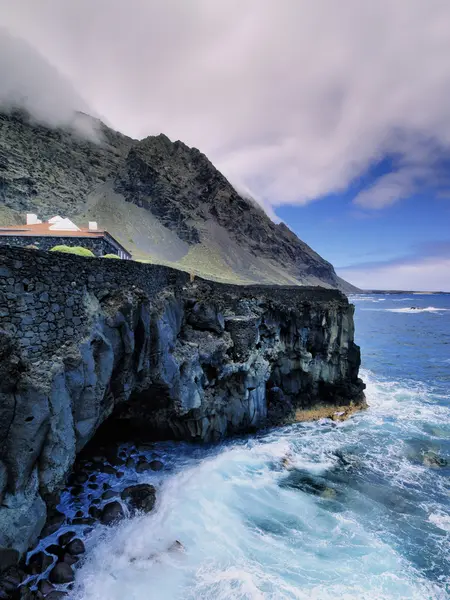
x: 84, y: 341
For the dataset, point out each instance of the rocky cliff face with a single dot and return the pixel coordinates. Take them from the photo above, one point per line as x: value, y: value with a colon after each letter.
x: 87, y: 340
x: 164, y: 201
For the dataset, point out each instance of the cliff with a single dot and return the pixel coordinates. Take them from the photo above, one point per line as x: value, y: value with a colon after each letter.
x: 87, y: 340
x: 164, y: 201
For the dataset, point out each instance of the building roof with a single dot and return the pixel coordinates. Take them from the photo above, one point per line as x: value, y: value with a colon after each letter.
x: 48, y: 230
x: 41, y: 229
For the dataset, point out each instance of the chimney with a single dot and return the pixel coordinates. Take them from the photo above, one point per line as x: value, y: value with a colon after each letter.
x: 32, y: 219
x: 93, y: 226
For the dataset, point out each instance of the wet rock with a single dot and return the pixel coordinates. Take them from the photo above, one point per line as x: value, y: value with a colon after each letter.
x: 106, y: 486
x: 156, y: 465
x: 77, y: 478
x: 56, y: 595
x: 77, y: 490
x: 108, y: 470
x: 69, y: 559
x: 433, y: 460
x: 130, y: 464
x: 79, y: 514
x: 83, y: 521
x: 140, y: 497
x: 39, y: 562
x: 75, y: 547
x: 120, y: 474
x: 65, y: 538
x: 61, y: 573
x: 93, y: 486
x: 8, y: 558
x: 95, y: 512
x: 10, y: 579
x: 25, y: 593
x: 108, y: 495
x: 55, y: 519
x: 45, y: 587
x: 142, y: 467
x: 93, y: 477
x: 55, y: 550
x: 112, y: 513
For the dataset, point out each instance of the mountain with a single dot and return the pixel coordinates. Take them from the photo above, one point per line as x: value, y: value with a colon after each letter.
x: 164, y: 201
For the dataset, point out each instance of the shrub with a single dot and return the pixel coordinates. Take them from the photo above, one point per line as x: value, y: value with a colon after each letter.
x: 78, y: 250
x: 111, y: 256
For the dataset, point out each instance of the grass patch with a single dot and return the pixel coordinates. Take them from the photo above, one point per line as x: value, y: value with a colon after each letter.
x: 78, y: 250
x: 111, y: 256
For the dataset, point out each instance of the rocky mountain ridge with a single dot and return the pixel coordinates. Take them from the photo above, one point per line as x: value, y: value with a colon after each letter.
x: 164, y: 201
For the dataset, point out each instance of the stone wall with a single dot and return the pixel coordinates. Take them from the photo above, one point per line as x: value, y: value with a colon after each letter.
x: 99, y: 246
x: 83, y: 340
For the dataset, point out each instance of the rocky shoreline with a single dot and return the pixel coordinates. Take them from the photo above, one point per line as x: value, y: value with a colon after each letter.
x: 89, y: 348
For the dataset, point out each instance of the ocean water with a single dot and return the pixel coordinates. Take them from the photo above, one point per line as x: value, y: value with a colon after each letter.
x: 359, y: 511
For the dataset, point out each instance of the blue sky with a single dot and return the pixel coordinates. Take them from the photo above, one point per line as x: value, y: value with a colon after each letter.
x: 372, y: 248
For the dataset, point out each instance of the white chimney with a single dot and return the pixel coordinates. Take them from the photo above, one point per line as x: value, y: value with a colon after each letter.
x: 32, y: 219
x: 93, y: 226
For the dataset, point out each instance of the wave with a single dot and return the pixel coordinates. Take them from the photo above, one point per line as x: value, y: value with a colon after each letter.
x: 410, y: 310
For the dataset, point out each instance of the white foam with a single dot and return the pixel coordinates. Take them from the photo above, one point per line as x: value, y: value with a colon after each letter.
x: 441, y: 520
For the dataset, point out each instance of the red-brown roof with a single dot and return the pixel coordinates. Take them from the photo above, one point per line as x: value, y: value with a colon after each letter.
x: 43, y: 229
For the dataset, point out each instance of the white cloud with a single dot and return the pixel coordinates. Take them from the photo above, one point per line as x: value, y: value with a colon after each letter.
x: 427, y: 274
x: 291, y: 99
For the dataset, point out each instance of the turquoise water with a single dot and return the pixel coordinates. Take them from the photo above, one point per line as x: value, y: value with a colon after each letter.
x: 360, y: 513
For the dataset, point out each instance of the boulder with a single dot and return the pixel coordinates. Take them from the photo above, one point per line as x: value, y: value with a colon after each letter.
x: 61, y: 573
x: 111, y: 513
x: 75, y: 547
x: 140, y: 497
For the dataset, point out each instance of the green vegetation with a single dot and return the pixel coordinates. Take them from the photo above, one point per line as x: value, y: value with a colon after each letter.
x: 111, y: 256
x: 78, y: 250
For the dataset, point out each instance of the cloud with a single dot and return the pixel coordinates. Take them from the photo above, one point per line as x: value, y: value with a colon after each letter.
x: 426, y: 268
x: 293, y: 100
x: 28, y: 80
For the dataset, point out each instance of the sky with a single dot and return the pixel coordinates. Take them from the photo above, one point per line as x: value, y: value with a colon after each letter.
x: 335, y: 116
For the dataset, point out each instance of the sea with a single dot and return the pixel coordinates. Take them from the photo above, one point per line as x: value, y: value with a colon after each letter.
x: 358, y: 510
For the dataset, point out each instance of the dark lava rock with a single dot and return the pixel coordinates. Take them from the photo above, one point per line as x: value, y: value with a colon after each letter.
x: 56, y: 550
x: 8, y: 558
x: 54, y: 521
x: 142, y: 467
x: 120, y: 474
x: 96, y: 501
x: 77, y: 478
x: 93, y: 486
x: 79, y: 514
x: 108, y: 495
x: 69, y: 559
x: 95, y: 512
x: 39, y: 562
x: 93, y: 477
x: 83, y: 521
x: 65, y: 538
x: 106, y: 486
x: 156, y: 465
x: 77, y: 490
x: 45, y: 587
x: 130, y: 464
x: 10, y: 579
x: 61, y: 573
x: 56, y: 596
x: 111, y: 513
x: 75, y: 547
x: 140, y: 497
x: 108, y: 470
x: 25, y: 593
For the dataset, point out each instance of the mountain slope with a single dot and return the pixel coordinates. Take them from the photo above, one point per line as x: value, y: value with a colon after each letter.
x: 164, y: 201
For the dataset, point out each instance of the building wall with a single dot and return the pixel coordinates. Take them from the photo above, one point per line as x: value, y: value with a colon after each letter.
x: 99, y: 246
